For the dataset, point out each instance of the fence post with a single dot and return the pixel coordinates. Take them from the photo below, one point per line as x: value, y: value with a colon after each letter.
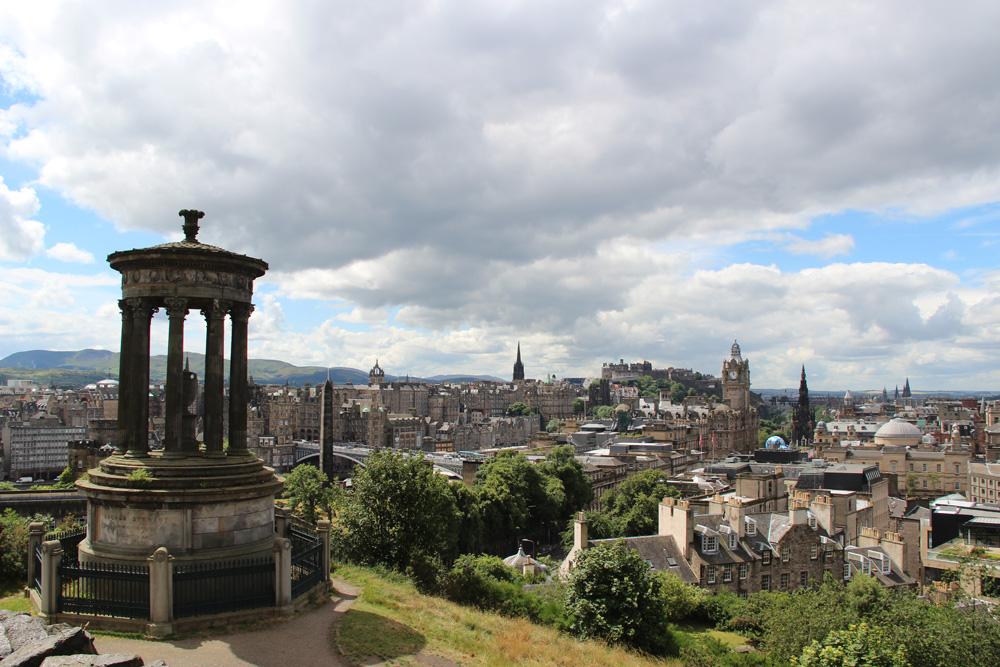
x: 323, y: 526
x: 282, y: 520
x: 36, y: 533
x: 51, y: 557
x: 283, y: 575
x: 161, y: 593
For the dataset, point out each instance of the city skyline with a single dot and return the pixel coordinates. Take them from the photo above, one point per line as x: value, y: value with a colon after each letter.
x: 433, y: 183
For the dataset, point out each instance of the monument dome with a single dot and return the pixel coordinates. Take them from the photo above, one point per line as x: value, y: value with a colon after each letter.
x: 898, y: 432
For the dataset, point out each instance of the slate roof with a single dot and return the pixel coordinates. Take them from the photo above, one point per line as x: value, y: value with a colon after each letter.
x: 661, y: 552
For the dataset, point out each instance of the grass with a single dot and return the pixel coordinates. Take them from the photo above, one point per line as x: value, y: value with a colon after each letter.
x: 14, y: 600
x: 393, y: 622
x: 692, y: 631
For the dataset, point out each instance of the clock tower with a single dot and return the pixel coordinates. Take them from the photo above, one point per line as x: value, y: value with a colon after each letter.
x: 736, y: 380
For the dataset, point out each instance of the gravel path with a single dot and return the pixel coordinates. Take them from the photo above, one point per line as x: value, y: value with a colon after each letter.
x: 304, y: 641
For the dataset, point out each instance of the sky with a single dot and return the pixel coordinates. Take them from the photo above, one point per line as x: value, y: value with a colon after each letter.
x: 434, y: 182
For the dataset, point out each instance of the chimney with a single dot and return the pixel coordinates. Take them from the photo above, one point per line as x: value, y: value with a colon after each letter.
x: 798, y: 514
x: 580, y: 530
x: 676, y: 519
x: 892, y: 544
x: 869, y: 537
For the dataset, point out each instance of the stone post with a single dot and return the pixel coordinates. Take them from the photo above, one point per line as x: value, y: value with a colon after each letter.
x: 173, y: 441
x: 142, y: 314
x: 238, y: 371
x: 51, y: 557
x: 161, y: 593
x: 283, y: 575
x: 125, y: 424
x: 323, y: 527
x: 282, y: 520
x: 215, y: 316
x: 36, y: 533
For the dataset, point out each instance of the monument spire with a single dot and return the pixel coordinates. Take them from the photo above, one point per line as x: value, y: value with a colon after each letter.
x: 518, y: 366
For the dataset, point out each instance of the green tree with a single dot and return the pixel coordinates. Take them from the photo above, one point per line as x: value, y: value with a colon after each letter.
x: 13, y: 547
x: 677, y: 392
x: 633, y: 506
x: 613, y: 595
x: 519, y: 409
x: 858, y: 646
x: 552, y: 426
x: 561, y: 464
x: 306, y: 492
x: 604, y: 411
x: 579, y: 406
x: 67, y: 478
x: 516, y: 495
x: 912, y: 483
x: 400, y: 509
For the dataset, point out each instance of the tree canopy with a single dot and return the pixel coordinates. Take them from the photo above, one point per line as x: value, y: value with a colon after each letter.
x: 306, y: 492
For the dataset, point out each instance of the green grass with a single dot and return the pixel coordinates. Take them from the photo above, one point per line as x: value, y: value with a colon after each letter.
x: 692, y: 631
x: 391, y: 621
x: 15, y: 602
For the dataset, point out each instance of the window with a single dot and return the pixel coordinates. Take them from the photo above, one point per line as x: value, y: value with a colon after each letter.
x: 939, y: 467
x: 847, y: 570
x: 886, y: 566
x: 784, y: 553
x: 765, y: 582
x: 803, y: 578
x: 813, y: 552
x: 957, y: 469
x: 925, y: 483
x: 710, y: 578
x: 727, y: 572
x: 911, y: 467
x: 744, y: 595
x: 751, y: 527
x: 894, y: 466
x: 812, y: 521
x: 784, y: 580
x: 710, y: 543
x: 732, y: 540
x: 958, y: 486
x: 925, y: 467
x: 743, y: 571
x: 770, y: 506
x: 766, y: 557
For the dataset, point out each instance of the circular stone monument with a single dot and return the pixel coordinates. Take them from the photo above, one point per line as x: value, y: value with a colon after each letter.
x: 200, y: 501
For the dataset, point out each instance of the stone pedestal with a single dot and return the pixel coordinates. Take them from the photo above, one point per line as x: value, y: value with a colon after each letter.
x: 197, y: 508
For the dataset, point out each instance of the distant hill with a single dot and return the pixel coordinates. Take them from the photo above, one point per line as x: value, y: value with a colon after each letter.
x: 76, y: 368
x: 464, y: 378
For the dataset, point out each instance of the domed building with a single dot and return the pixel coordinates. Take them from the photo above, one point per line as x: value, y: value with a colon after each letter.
x: 898, y: 432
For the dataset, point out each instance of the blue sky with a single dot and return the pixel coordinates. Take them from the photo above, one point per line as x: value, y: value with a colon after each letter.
x: 433, y: 182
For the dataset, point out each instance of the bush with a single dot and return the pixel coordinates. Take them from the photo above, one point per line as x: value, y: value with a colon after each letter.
x: 718, y: 609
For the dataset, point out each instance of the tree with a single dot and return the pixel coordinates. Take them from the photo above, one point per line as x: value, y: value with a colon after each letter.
x: 561, y: 464
x: 614, y: 596
x: 400, y: 510
x: 604, y: 411
x: 858, y: 646
x: 552, y: 426
x: 67, y: 478
x: 633, y: 506
x: 677, y: 393
x: 305, y: 491
x: 579, y: 406
x: 519, y: 409
x: 13, y: 547
x: 912, y: 483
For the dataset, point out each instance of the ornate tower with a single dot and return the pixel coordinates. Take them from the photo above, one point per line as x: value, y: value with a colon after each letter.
x: 376, y: 376
x: 736, y: 380
x: 518, y: 366
x: 802, y: 422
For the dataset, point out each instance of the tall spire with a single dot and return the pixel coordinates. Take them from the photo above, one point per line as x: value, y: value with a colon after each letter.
x: 518, y: 366
x: 802, y: 420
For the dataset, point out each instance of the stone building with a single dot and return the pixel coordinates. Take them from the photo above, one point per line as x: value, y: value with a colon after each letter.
x: 38, y: 447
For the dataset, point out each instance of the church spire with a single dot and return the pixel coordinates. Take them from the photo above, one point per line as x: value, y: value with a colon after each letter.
x: 518, y: 366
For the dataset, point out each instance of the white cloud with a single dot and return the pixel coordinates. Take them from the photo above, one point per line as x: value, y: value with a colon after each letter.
x: 68, y: 252
x: 829, y: 246
x: 20, y: 236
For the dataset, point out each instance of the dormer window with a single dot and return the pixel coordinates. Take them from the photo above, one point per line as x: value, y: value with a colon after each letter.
x: 886, y: 566
x: 732, y: 540
x: 751, y: 527
x: 812, y: 521
x: 710, y: 544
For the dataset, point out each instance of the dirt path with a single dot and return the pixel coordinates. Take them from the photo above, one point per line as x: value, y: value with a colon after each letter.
x: 304, y: 641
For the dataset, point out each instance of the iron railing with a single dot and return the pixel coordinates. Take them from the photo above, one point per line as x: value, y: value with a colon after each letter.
x: 104, y: 589
x: 37, y: 577
x: 215, y: 588
x: 307, y: 560
x: 69, y: 540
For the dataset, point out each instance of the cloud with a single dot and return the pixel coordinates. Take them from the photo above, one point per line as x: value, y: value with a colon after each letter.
x: 566, y: 174
x: 830, y: 246
x: 68, y: 252
x: 20, y: 236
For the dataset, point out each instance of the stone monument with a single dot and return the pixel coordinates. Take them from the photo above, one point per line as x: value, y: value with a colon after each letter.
x: 200, y: 501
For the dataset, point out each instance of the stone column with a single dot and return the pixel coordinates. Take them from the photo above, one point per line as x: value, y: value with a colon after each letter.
x: 240, y: 313
x: 161, y: 593
x: 283, y: 575
x: 36, y: 534
x: 215, y: 315
x: 282, y: 520
x: 323, y: 527
x: 142, y: 314
x: 51, y: 557
x: 125, y: 424
x: 176, y: 311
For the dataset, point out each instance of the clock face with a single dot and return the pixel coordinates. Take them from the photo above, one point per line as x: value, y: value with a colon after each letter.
x: 732, y: 375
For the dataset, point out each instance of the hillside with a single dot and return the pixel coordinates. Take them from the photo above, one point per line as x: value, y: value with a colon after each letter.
x: 77, y: 368
x: 391, y: 621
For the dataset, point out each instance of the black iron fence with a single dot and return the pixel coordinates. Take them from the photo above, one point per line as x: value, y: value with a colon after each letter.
x: 307, y: 560
x: 37, y: 575
x: 69, y: 540
x: 103, y: 589
x: 215, y: 588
